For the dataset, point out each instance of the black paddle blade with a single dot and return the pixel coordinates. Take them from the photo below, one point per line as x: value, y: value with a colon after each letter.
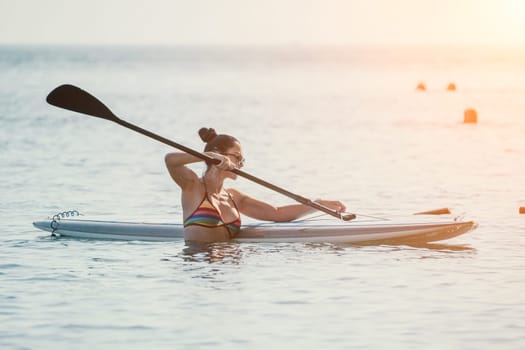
x: 75, y: 99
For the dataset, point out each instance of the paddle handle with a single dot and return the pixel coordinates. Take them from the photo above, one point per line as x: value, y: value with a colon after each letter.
x: 208, y: 159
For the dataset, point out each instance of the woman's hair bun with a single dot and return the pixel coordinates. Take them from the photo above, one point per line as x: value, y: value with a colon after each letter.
x: 207, y: 134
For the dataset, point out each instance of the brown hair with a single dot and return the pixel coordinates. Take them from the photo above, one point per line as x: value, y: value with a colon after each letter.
x: 214, y: 142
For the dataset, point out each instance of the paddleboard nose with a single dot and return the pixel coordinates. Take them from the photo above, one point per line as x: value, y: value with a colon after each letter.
x: 42, y: 225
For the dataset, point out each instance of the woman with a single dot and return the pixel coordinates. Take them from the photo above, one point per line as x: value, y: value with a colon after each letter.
x: 211, y: 212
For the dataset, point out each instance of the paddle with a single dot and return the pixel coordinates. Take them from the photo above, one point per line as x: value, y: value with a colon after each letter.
x: 75, y: 99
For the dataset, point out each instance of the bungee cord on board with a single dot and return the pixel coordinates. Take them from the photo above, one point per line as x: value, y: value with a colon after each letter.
x: 56, y: 219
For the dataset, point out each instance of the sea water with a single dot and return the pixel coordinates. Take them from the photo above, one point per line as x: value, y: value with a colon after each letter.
x: 334, y: 123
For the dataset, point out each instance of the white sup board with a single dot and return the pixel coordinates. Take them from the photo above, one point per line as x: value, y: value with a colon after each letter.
x: 313, y: 231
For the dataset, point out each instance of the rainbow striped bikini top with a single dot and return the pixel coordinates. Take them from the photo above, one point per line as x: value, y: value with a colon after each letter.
x: 206, y: 215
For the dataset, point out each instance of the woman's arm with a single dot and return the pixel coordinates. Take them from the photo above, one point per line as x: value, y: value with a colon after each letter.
x: 184, y: 176
x: 179, y: 172
x: 260, y: 210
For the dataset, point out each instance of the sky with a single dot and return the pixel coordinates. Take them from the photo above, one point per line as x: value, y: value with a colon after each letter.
x: 262, y: 22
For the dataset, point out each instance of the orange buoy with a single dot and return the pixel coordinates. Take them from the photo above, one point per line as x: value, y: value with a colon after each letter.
x: 470, y: 116
x: 522, y: 210
x: 440, y: 211
x: 451, y: 87
x: 421, y: 87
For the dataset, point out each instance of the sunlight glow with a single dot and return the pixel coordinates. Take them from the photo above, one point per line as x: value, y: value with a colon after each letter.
x: 272, y: 22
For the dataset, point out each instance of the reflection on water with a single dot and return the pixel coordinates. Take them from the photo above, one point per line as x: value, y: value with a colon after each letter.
x: 442, y: 247
x: 231, y: 253
x: 223, y: 252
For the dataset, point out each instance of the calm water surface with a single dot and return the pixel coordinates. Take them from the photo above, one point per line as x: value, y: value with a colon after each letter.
x: 332, y: 123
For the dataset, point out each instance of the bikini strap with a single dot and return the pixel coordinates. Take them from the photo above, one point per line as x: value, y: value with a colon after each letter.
x: 234, y: 204
x: 217, y: 209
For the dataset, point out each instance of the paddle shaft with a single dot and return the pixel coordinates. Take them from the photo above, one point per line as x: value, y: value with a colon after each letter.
x: 239, y: 172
